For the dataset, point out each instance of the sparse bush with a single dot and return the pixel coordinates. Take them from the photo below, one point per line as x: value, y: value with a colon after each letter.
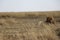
x: 3, y: 16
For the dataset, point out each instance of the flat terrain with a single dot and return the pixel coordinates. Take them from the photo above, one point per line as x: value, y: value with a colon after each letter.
x: 24, y: 26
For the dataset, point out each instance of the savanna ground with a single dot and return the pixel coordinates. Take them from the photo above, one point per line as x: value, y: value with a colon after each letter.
x: 26, y: 26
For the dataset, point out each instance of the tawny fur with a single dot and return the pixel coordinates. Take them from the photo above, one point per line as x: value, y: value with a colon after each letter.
x: 50, y: 20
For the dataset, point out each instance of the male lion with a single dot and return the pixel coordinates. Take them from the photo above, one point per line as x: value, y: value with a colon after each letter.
x: 50, y: 20
x: 47, y: 29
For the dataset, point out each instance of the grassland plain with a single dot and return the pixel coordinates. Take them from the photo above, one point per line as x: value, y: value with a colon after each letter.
x: 25, y: 26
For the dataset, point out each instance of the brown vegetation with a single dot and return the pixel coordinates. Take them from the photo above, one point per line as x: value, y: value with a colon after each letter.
x: 24, y: 26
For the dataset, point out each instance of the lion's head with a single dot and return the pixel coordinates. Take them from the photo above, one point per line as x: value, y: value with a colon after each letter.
x: 50, y: 19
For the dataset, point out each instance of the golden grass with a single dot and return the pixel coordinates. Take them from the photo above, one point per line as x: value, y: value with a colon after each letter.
x: 13, y: 28
x: 23, y: 14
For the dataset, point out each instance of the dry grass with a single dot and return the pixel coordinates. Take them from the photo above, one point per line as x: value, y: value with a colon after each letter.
x: 22, y: 27
x: 23, y: 14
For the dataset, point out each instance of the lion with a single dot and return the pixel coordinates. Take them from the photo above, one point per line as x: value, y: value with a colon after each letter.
x: 50, y: 20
